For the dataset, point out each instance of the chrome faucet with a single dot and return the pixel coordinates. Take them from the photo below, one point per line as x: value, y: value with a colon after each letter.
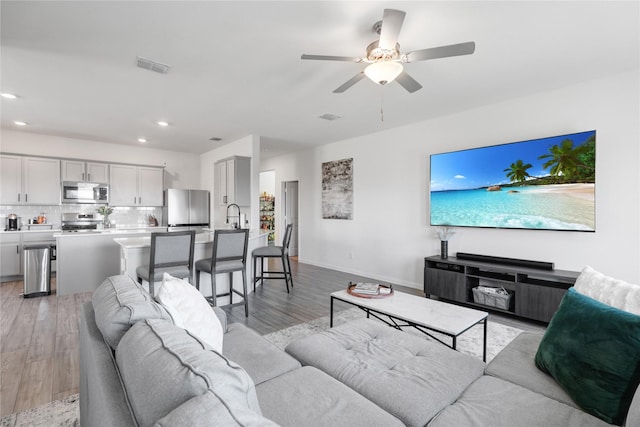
x: 237, y: 225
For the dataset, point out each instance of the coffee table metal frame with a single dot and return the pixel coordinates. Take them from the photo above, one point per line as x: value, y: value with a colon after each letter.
x: 387, y: 312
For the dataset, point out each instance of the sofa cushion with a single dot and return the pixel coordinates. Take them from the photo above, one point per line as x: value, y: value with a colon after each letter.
x: 490, y: 401
x: 516, y: 363
x: 102, y: 401
x: 408, y: 376
x: 613, y: 292
x: 190, y: 310
x: 308, y: 397
x: 209, y: 410
x: 162, y: 366
x: 593, y: 351
x: 261, y: 359
x: 120, y: 302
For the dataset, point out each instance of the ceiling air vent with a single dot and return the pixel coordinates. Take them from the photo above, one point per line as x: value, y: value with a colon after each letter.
x: 329, y: 116
x: 148, y: 64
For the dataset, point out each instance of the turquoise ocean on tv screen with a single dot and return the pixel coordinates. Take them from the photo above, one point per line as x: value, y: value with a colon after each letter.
x: 529, y: 207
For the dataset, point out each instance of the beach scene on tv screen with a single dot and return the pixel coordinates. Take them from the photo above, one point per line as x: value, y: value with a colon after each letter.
x: 544, y: 184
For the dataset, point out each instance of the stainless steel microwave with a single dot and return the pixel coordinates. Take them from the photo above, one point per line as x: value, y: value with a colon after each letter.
x: 84, y: 192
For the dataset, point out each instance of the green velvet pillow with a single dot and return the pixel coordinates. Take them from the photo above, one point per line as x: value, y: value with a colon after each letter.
x: 593, y: 351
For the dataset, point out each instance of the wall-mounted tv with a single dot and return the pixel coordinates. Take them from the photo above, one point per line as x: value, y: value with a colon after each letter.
x: 541, y: 184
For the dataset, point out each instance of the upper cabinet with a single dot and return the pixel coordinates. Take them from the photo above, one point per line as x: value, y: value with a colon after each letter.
x: 136, y: 186
x: 29, y: 180
x: 77, y: 170
x: 233, y: 178
x: 11, y: 180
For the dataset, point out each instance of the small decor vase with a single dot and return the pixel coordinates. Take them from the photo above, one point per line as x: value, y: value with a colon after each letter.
x: 444, y: 249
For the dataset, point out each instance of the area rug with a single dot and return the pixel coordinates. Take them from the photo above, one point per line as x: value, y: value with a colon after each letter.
x: 470, y: 342
x: 65, y: 412
x: 59, y: 413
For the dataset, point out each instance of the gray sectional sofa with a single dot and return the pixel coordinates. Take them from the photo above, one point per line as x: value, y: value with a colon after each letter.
x: 139, y: 369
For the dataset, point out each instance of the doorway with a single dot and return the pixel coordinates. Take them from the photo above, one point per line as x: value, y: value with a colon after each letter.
x: 290, y: 209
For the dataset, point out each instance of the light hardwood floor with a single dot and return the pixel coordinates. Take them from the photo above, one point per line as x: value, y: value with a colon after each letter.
x: 38, y: 347
x: 39, y: 336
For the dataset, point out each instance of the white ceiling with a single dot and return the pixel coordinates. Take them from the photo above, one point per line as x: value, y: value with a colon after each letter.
x: 236, y: 67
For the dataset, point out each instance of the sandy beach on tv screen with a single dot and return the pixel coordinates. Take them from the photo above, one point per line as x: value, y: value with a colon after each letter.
x: 583, y: 191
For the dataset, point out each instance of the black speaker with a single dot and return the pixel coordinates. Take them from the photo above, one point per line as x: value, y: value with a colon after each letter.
x: 540, y: 265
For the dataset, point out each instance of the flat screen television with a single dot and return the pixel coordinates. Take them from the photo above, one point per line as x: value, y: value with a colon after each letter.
x: 540, y: 184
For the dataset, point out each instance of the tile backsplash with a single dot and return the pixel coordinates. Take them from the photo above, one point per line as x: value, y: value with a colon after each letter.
x: 121, y: 216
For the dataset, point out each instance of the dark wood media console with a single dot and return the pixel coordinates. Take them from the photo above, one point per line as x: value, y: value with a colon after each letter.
x: 536, y: 293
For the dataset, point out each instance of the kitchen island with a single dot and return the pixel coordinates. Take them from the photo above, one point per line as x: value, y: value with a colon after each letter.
x: 84, y: 260
x: 134, y: 252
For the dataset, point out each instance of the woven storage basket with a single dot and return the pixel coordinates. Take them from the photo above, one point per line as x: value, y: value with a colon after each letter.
x: 481, y: 296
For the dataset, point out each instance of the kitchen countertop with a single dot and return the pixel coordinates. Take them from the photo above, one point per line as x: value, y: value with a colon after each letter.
x: 201, y: 238
x: 110, y: 231
x: 51, y: 230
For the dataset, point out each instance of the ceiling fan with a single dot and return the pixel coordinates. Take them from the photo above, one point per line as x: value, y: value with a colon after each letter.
x: 384, y: 57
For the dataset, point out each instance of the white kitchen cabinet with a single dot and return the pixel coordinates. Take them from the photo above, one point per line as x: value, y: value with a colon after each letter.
x: 10, y: 252
x: 10, y: 180
x: 136, y: 186
x: 77, y: 170
x: 29, y: 181
x: 150, y: 186
x: 233, y: 181
x: 41, y: 181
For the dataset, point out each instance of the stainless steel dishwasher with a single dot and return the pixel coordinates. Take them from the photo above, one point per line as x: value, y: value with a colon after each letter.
x: 37, y: 270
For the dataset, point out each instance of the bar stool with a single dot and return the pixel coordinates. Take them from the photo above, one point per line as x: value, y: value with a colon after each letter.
x: 171, y: 253
x: 281, y: 252
x: 228, y: 256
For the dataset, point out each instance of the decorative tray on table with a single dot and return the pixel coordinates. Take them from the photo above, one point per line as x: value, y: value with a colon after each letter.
x: 369, y: 290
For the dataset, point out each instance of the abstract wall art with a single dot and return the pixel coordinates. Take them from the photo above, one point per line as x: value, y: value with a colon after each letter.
x: 337, y: 189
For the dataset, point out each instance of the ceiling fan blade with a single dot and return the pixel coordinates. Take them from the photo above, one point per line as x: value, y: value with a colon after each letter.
x: 408, y: 82
x: 392, y: 20
x: 442, y: 52
x: 331, y: 58
x: 353, y: 80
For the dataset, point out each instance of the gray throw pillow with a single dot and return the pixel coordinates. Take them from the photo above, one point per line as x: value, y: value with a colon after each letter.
x: 120, y: 302
x: 163, y: 366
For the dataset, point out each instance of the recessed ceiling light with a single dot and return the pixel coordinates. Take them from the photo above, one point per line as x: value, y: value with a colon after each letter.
x: 19, y: 123
x: 8, y: 95
x: 215, y: 139
x: 162, y: 123
x: 142, y: 140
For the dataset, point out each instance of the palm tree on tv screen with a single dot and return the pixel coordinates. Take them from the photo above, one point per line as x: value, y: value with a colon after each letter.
x: 564, y: 160
x: 517, y: 172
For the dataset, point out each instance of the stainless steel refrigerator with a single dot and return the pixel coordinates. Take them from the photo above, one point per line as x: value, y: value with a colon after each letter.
x: 187, y: 209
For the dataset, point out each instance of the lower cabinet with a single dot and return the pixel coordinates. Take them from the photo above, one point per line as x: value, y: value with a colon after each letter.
x: 537, y: 302
x: 445, y: 284
x: 532, y: 293
x: 10, y: 255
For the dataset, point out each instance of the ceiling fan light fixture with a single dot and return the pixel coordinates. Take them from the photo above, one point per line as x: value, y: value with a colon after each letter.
x: 383, y: 72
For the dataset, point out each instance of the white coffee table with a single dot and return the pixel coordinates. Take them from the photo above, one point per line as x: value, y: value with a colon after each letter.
x: 421, y: 313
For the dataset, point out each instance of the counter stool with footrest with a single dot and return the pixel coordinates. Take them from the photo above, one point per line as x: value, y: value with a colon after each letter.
x: 281, y: 252
x: 228, y: 256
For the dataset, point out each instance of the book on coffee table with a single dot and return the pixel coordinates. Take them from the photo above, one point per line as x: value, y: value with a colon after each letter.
x: 366, y: 288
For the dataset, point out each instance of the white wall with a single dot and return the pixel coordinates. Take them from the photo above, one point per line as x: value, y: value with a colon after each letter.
x: 268, y: 182
x: 182, y: 170
x: 390, y: 233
